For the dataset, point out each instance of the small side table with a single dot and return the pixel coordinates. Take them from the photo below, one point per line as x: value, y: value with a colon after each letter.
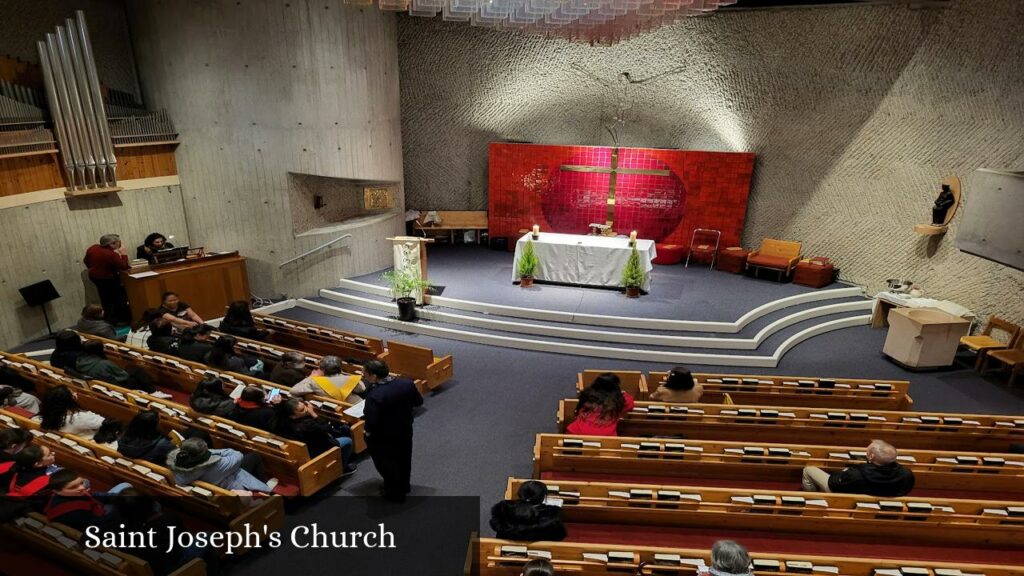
x: 814, y: 272
x: 733, y: 260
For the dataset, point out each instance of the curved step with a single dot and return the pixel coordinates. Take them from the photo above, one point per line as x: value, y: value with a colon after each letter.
x: 619, y: 321
x: 520, y: 327
x: 665, y: 357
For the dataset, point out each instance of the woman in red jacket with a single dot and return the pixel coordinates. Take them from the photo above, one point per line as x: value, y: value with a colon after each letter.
x: 105, y: 261
x: 600, y: 406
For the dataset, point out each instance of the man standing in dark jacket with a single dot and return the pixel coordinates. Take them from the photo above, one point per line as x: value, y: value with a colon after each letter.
x: 881, y: 476
x: 388, y: 413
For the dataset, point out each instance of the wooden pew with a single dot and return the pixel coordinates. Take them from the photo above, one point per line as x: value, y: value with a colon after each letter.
x: 773, y: 390
x: 828, y: 427
x: 506, y: 558
x: 286, y: 459
x: 911, y: 521
x: 61, y: 545
x: 965, y: 474
x: 183, y: 376
x: 214, y: 505
x: 414, y: 362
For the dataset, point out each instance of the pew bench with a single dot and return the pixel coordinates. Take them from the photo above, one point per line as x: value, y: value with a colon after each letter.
x: 418, y: 363
x: 319, y: 339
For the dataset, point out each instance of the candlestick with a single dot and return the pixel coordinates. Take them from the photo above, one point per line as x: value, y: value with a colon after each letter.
x: 632, y: 238
x: 536, y: 230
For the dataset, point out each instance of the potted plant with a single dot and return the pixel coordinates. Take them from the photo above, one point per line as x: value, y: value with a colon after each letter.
x: 633, y: 275
x: 403, y: 283
x: 527, y: 265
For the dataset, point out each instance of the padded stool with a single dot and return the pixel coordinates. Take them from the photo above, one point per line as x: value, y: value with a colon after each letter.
x: 733, y: 260
x: 669, y: 253
x: 814, y: 272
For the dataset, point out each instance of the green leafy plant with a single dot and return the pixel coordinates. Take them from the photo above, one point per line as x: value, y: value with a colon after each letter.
x: 404, y: 282
x: 528, y: 261
x: 633, y: 275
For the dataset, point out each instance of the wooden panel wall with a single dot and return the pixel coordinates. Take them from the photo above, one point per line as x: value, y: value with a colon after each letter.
x: 20, y: 174
x: 135, y: 162
x: 261, y: 89
x: 47, y: 241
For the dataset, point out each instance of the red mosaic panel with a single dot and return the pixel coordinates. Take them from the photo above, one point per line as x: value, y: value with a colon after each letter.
x: 662, y: 194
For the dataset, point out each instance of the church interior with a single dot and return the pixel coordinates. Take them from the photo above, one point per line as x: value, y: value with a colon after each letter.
x: 531, y: 287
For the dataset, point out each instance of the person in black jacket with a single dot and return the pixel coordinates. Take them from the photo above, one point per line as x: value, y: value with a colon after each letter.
x: 528, y: 517
x: 223, y: 357
x: 209, y: 397
x: 881, y: 476
x: 143, y: 440
x: 66, y: 348
x: 12, y: 441
x: 252, y: 409
x: 298, y: 420
x: 195, y: 343
x: 161, y: 337
x: 388, y: 413
x: 290, y: 369
x: 238, y: 321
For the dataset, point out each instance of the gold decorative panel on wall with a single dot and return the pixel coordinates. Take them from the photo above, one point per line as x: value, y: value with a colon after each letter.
x: 378, y: 198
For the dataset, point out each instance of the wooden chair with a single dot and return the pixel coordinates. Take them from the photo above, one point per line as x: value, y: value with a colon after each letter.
x: 1012, y: 358
x: 983, y: 343
x: 778, y: 255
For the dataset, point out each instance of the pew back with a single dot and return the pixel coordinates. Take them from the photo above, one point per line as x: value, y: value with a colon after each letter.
x: 633, y: 381
x: 319, y: 339
x: 418, y: 363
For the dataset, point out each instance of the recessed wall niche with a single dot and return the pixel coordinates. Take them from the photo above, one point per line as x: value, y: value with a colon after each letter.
x: 323, y: 202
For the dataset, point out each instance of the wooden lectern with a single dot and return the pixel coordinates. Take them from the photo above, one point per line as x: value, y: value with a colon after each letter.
x: 207, y: 284
x: 411, y: 254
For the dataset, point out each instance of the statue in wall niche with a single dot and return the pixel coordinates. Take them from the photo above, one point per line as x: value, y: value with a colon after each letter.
x: 942, y: 205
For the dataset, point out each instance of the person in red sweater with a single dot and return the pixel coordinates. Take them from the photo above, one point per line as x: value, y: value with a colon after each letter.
x: 600, y: 406
x: 105, y: 262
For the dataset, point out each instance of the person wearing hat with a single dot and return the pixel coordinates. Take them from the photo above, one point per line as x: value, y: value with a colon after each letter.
x: 224, y: 467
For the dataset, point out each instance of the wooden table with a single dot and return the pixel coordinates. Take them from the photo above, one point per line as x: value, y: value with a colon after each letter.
x: 207, y: 284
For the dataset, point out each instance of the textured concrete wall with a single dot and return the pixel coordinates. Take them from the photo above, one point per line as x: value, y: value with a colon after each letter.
x: 262, y: 88
x: 48, y: 240
x: 856, y: 114
x: 27, y: 21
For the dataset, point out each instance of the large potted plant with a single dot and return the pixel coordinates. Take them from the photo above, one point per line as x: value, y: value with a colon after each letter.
x: 527, y: 265
x: 403, y: 284
x: 633, y: 275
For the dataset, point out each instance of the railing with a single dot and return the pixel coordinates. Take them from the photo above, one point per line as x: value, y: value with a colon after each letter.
x: 314, y: 250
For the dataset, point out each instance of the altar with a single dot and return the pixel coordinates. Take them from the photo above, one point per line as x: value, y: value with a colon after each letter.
x: 586, y: 260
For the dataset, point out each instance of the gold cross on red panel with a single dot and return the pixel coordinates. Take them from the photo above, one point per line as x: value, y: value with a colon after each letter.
x: 613, y: 173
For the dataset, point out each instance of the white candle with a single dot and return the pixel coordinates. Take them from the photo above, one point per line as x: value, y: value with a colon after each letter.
x: 632, y: 237
x: 536, y: 229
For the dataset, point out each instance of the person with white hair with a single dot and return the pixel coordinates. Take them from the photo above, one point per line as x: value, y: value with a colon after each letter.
x: 728, y: 558
x: 106, y: 260
x: 880, y: 476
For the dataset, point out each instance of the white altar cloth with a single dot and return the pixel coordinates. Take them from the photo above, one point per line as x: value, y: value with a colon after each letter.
x: 588, y: 260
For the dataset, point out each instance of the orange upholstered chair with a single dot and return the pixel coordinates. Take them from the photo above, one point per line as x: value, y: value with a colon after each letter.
x: 986, y: 342
x: 780, y: 255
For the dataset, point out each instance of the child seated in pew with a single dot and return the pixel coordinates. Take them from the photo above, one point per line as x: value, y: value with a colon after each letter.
x: 161, y: 337
x: 222, y: 356
x: 538, y: 567
x: 298, y: 420
x: 12, y: 441
x: 528, y: 518
x: 93, y: 363
x: 71, y: 502
x: 252, y: 409
x: 238, y: 321
x: 230, y: 469
x: 728, y: 558
x: 290, y: 369
x: 109, y: 433
x: 209, y: 397
x: 600, y: 407
x: 66, y: 348
x: 142, y: 440
x: 882, y: 475
x: 679, y: 387
x: 60, y: 412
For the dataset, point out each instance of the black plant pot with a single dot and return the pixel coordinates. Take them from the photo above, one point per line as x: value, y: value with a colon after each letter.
x: 407, y: 309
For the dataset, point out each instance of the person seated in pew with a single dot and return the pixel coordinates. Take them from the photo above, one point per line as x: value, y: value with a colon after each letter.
x: 109, y: 433
x: 209, y: 397
x: 66, y: 348
x: 252, y: 409
x: 153, y: 243
x: 222, y: 356
x: 538, y: 567
x: 142, y: 440
x: 880, y: 476
x: 528, y: 517
x: 238, y: 322
x: 728, y: 558
x: 329, y: 380
x: 600, y: 407
x: 290, y: 369
x: 195, y: 343
x: 93, y: 363
x: 72, y: 503
x: 298, y: 420
x: 679, y: 387
x: 161, y: 337
x: 92, y: 322
x: 12, y: 441
x: 225, y: 467
x: 177, y: 312
x: 60, y: 412
x: 13, y: 392
x: 31, y: 474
